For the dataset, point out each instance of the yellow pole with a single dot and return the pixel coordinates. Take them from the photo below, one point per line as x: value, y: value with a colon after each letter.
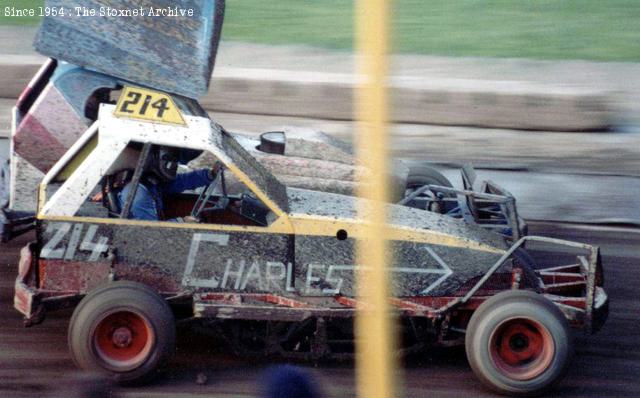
x: 374, y: 333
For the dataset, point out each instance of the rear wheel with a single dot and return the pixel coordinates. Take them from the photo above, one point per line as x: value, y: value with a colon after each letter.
x: 124, y: 329
x: 518, y: 343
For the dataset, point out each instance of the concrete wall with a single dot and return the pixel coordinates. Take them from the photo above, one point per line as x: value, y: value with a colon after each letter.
x: 457, y: 102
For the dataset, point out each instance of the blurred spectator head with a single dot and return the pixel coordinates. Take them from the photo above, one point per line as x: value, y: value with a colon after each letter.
x: 286, y: 381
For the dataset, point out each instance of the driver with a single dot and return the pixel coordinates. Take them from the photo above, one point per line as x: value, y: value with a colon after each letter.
x: 160, y: 178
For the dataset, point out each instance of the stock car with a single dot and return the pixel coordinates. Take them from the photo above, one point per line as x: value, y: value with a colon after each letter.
x: 271, y: 267
x: 61, y: 101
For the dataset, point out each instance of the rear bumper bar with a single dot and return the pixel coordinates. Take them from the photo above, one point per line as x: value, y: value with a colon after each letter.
x: 31, y: 301
x: 26, y: 299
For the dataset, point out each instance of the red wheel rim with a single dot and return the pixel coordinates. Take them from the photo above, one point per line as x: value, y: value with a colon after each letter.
x: 123, y: 340
x: 521, y: 349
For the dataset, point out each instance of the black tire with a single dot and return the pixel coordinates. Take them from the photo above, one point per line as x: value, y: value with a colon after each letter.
x: 425, y: 175
x: 124, y: 329
x: 518, y: 343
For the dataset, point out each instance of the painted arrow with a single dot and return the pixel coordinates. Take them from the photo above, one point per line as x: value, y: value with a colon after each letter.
x: 444, y: 271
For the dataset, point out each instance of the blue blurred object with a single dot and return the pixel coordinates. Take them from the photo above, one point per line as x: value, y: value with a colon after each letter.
x: 286, y: 381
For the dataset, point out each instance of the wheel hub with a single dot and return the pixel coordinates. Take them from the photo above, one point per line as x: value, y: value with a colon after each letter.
x: 522, y: 349
x: 123, y: 340
x: 122, y: 337
x: 519, y: 342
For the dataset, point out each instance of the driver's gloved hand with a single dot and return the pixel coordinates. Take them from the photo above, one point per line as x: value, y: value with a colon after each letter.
x: 215, y: 169
x: 190, y: 219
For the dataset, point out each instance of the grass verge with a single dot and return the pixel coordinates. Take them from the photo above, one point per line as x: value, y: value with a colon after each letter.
x: 542, y: 29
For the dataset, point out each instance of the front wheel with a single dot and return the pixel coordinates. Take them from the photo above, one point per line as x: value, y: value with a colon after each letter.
x: 124, y: 329
x: 420, y: 176
x: 518, y: 343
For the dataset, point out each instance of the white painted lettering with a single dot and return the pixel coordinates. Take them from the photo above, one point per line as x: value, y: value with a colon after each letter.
x: 273, y: 279
x: 237, y: 274
x: 337, y: 282
x: 311, y: 278
x: 96, y: 248
x: 253, y: 273
x: 290, y: 287
x: 188, y: 279
x: 73, y: 242
x: 50, y: 249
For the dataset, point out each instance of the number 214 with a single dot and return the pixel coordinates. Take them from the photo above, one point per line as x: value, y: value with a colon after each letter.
x: 134, y: 99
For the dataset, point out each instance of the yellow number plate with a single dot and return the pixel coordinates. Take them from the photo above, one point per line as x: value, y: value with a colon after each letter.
x: 140, y: 103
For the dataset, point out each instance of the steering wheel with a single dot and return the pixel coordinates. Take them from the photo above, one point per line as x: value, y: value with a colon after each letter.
x: 207, y: 201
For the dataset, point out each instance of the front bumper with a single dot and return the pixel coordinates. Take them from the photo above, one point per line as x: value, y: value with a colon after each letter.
x: 600, y: 310
x: 577, y: 289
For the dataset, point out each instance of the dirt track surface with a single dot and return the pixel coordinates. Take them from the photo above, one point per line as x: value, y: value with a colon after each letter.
x: 35, y: 362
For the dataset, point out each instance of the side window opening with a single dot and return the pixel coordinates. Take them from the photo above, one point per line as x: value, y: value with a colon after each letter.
x: 163, y: 186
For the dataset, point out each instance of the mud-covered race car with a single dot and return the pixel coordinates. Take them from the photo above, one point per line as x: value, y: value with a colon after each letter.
x: 61, y: 102
x: 271, y: 267
x: 267, y: 265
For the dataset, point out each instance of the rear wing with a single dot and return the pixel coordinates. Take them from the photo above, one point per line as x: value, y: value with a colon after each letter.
x: 172, y: 48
